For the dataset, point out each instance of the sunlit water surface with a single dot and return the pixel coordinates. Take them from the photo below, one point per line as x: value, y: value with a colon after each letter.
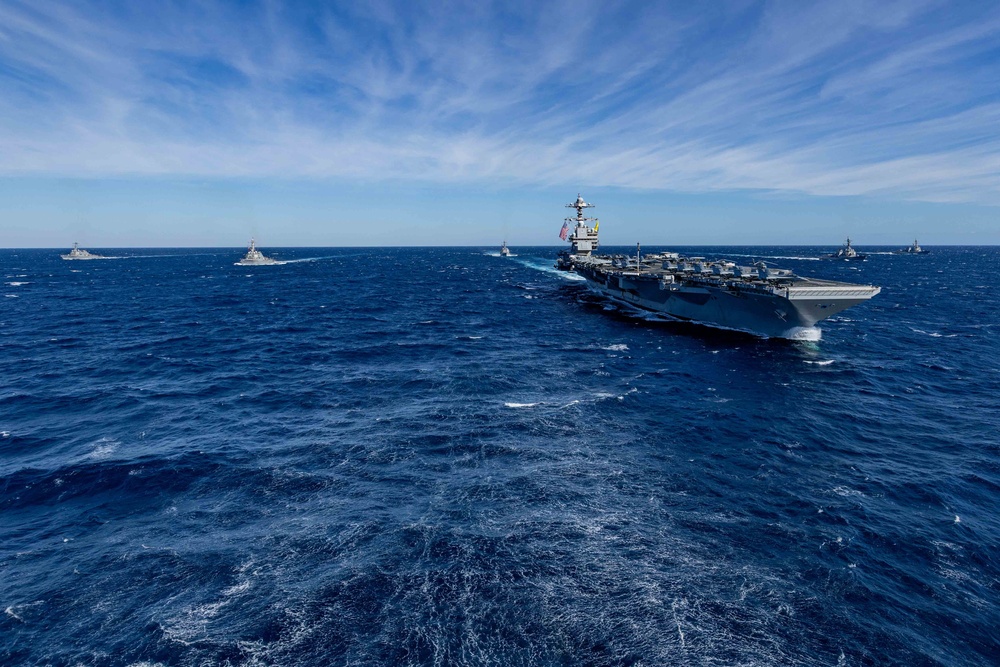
x: 445, y: 457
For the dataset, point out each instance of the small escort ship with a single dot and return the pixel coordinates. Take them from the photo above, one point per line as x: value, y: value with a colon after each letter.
x: 914, y: 249
x: 255, y: 257
x: 847, y: 252
x: 757, y: 299
x: 79, y: 253
x: 504, y: 250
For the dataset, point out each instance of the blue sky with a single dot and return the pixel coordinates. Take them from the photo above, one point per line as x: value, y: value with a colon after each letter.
x: 408, y: 123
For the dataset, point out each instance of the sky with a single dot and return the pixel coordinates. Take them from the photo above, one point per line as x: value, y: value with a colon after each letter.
x: 176, y: 123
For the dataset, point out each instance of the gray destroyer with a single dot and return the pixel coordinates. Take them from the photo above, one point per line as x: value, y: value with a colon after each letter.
x: 914, y: 249
x: 255, y: 257
x: 79, y: 253
x: 757, y: 299
x: 847, y: 253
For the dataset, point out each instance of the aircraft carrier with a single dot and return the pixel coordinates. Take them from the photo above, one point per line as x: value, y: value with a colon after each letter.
x: 758, y: 299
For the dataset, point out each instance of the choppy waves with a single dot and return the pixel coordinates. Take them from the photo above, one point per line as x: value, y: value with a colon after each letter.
x: 392, y: 457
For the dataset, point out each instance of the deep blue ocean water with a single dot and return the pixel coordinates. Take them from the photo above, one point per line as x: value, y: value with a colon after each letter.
x: 444, y: 457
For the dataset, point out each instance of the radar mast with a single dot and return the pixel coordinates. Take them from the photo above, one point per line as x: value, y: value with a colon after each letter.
x: 579, y: 205
x: 584, y: 237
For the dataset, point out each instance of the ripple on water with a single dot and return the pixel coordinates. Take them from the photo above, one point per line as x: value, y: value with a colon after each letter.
x: 326, y: 464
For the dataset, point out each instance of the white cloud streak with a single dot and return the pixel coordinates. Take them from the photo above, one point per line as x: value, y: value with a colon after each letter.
x: 896, y: 100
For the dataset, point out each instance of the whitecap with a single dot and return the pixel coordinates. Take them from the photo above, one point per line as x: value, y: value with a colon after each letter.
x: 825, y: 362
x: 933, y: 334
x: 617, y: 347
x: 104, y: 448
x: 520, y: 405
x: 630, y: 391
x: 18, y: 284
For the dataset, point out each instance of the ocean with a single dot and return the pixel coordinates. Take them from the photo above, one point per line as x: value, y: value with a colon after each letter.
x: 438, y: 456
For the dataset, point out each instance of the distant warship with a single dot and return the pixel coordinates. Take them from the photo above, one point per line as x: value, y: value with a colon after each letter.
x: 255, y: 257
x: 914, y: 249
x: 504, y: 250
x: 757, y: 299
x: 847, y: 252
x: 79, y: 253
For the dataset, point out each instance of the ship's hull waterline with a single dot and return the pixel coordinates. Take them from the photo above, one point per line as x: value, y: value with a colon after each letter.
x: 791, y: 312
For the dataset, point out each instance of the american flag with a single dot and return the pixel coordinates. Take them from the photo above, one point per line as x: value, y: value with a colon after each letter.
x: 564, y: 231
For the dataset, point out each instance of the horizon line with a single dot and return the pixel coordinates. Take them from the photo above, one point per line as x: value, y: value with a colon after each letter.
x: 608, y: 245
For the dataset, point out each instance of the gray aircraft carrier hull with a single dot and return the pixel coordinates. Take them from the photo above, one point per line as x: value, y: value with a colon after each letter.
x: 789, y: 312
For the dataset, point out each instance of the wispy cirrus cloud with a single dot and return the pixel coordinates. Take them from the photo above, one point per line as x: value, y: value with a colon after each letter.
x: 895, y: 99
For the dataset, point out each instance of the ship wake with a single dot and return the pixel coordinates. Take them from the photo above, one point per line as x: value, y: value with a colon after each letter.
x: 548, y: 268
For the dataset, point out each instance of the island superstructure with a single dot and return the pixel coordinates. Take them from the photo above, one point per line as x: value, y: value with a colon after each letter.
x: 758, y: 299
